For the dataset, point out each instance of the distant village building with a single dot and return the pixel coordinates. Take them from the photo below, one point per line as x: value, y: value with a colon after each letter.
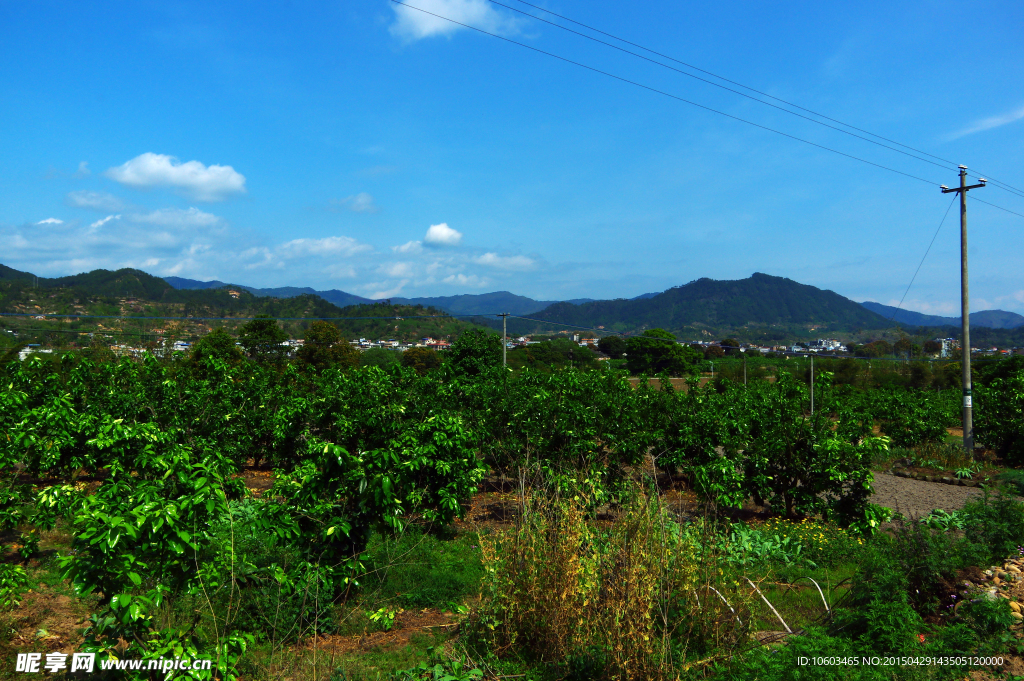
x: 825, y: 345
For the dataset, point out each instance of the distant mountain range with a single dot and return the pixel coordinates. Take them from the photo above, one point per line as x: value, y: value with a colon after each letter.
x: 993, y: 319
x: 466, y: 304
x: 760, y: 299
x: 340, y: 298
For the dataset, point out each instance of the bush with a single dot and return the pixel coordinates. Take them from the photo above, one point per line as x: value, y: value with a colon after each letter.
x: 995, y: 525
x: 999, y: 414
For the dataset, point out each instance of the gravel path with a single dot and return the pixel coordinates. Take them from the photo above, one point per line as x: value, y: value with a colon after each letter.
x: 916, y: 498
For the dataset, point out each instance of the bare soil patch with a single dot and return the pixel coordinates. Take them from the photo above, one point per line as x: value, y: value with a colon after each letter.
x: 916, y: 498
x: 407, y: 624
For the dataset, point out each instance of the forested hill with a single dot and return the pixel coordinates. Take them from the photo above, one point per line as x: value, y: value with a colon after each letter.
x: 125, y: 283
x: 102, y: 300
x: 759, y: 300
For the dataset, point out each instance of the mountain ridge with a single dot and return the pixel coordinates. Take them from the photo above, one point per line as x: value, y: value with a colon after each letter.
x: 993, y: 319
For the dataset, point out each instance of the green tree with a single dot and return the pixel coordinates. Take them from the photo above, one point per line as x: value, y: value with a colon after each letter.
x: 731, y: 346
x: 713, y: 352
x: 378, y: 357
x: 324, y: 347
x: 613, y: 346
x: 903, y: 346
x: 654, y: 352
x: 421, y: 359
x: 217, y: 344
x: 261, y: 338
x: 474, y: 351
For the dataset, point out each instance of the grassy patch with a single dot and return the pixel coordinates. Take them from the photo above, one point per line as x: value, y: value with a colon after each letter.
x: 422, y: 570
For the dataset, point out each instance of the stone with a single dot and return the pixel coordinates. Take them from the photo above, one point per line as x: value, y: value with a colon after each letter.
x: 1015, y: 606
x: 995, y: 580
x: 1013, y: 568
x: 1017, y: 615
x: 987, y: 573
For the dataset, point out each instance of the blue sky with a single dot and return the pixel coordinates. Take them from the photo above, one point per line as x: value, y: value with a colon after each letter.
x: 375, y: 149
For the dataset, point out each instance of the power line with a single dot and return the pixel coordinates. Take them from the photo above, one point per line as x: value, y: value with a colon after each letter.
x: 723, y: 87
x: 666, y: 94
x: 928, y: 250
x: 995, y: 206
x: 1001, y: 185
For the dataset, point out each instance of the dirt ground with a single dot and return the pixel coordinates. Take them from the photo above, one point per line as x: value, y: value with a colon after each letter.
x: 916, y: 498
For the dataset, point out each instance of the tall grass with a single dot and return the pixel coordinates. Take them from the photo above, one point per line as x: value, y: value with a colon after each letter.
x: 639, y: 598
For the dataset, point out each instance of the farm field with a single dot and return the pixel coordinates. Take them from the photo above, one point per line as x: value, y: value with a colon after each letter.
x: 316, y: 520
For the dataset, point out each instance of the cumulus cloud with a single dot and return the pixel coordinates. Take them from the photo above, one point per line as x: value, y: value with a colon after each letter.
x: 413, y: 24
x: 467, y: 280
x: 177, y: 217
x: 51, y: 221
x: 100, y: 201
x: 102, y: 221
x: 340, y: 271
x: 442, y: 235
x: 83, y: 170
x: 357, y: 203
x: 332, y: 245
x: 203, y: 183
x: 988, y: 124
x: 511, y: 262
x: 409, y: 247
x: 396, y: 269
x: 385, y: 292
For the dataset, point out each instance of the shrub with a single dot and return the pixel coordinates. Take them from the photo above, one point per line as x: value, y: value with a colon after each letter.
x: 999, y: 414
x: 621, y: 603
x: 995, y: 525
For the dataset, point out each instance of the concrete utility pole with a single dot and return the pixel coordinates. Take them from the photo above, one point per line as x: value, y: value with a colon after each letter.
x: 965, y: 314
x: 504, y: 337
x: 812, y: 385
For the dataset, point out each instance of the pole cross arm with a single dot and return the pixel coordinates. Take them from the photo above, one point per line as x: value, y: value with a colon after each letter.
x: 947, y: 190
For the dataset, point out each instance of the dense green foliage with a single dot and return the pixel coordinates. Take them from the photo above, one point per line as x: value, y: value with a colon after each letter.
x: 359, y: 452
x: 657, y: 352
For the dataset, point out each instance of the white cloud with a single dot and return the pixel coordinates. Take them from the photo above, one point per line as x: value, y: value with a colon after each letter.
x: 83, y: 170
x: 102, y: 221
x: 512, y: 262
x: 332, y: 245
x: 988, y: 124
x: 358, y: 203
x: 177, y: 217
x: 340, y: 271
x: 213, y: 183
x: 412, y: 24
x: 100, y: 201
x: 386, y: 293
x: 467, y: 280
x: 442, y: 235
x: 50, y: 221
x: 409, y: 247
x: 396, y: 269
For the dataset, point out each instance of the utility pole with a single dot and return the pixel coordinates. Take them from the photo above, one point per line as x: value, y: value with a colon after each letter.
x: 744, y: 370
x: 812, y: 385
x: 965, y: 316
x: 504, y: 337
